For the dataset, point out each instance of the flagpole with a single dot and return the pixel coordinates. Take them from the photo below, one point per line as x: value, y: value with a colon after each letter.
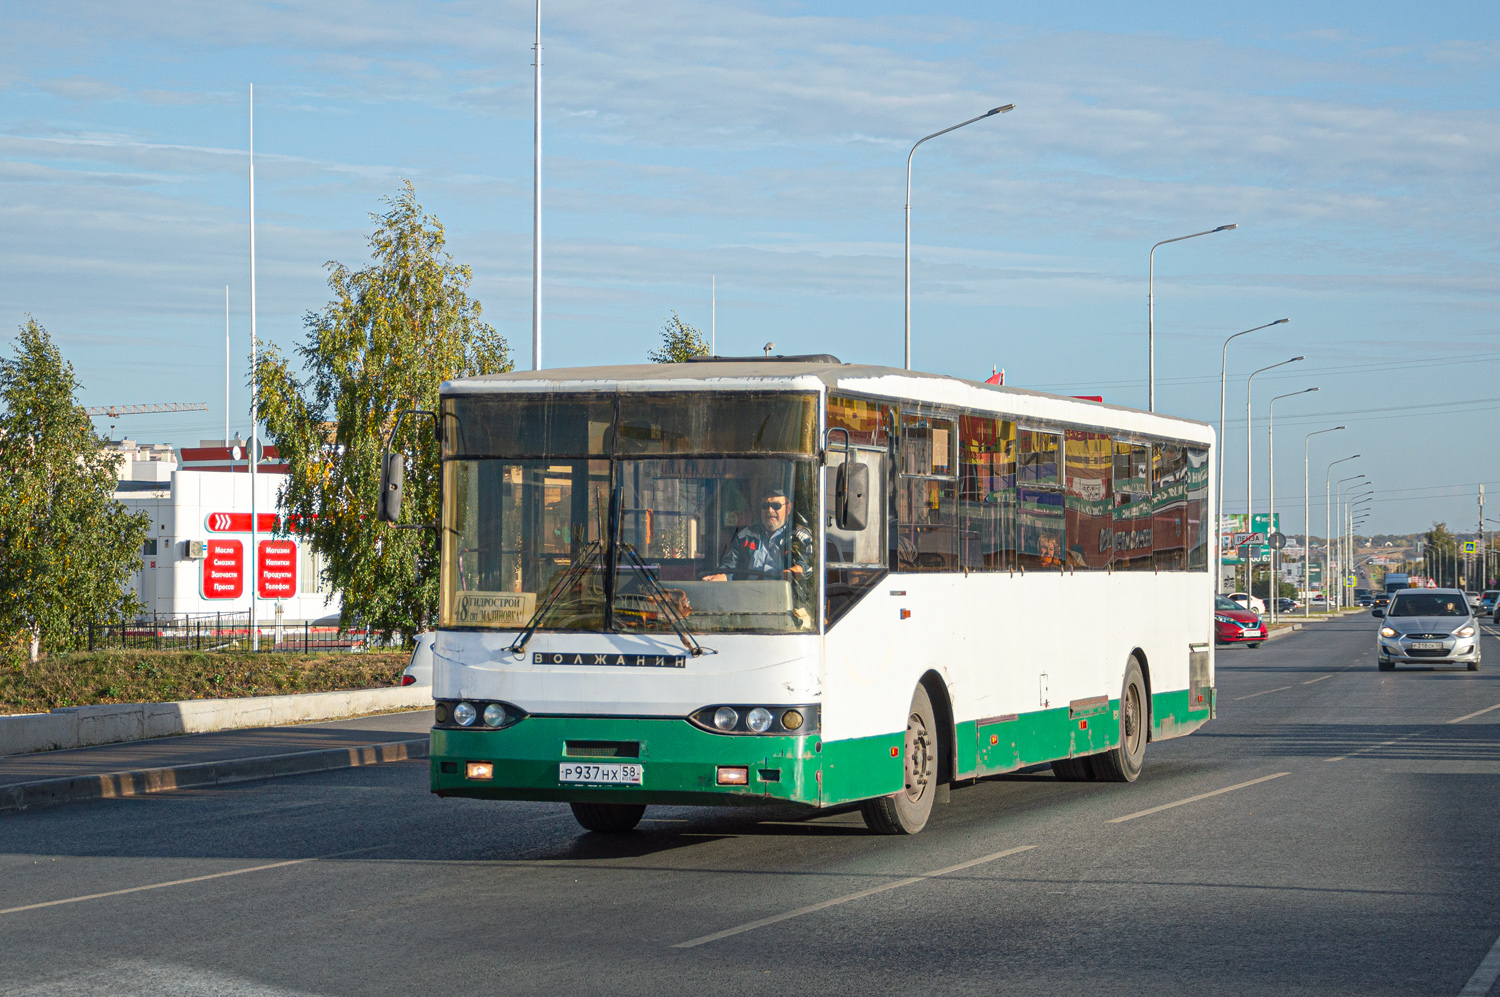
x: 254, y: 421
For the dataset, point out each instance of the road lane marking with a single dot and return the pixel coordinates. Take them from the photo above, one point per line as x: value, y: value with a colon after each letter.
x: 1195, y: 799
x: 1484, y: 977
x: 1318, y: 679
x: 182, y: 882
x: 824, y: 904
x: 1266, y: 692
x: 1476, y: 713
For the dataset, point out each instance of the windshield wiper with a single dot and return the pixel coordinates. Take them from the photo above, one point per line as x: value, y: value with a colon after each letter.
x: 659, y: 595
x: 585, y: 560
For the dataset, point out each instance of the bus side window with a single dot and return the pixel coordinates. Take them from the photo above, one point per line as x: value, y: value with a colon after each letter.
x: 1089, y: 500
x: 1133, y: 544
x: 927, y: 501
x: 1199, y: 517
x: 987, y: 493
x: 1169, y: 501
x: 1041, y: 521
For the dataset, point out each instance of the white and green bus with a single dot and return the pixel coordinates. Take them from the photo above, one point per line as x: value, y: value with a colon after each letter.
x: 793, y: 580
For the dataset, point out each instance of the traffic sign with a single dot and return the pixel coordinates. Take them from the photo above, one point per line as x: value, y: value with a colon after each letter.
x: 1254, y: 539
x: 1470, y: 547
x: 1276, y: 541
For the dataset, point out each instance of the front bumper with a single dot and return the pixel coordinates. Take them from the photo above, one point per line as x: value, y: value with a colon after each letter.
x: 1455, y: 650
x: 1238, y: 635
x: 680, y: 762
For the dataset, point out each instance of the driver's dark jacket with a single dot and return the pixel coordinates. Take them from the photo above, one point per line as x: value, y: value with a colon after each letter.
x: 753, y: 549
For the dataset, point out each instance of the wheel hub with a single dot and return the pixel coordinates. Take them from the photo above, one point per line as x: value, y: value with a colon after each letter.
x: 918, y: 757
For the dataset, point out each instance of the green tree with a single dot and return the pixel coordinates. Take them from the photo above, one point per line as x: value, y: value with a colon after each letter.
x: 392, y: 334
x: 66, y: 546
x: 678, y: 342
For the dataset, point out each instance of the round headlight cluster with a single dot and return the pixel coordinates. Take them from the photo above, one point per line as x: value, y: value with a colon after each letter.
x: 725, y: 718
x: 748, y: 719
x: 494, y: 715
x: 759, y: 720
x: 464, y: 714
x: 791, y: 719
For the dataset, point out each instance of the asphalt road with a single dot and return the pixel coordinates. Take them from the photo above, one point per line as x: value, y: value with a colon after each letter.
x: 1356, y: 856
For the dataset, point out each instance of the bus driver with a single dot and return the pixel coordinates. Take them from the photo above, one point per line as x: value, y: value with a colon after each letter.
x: 771, y: 548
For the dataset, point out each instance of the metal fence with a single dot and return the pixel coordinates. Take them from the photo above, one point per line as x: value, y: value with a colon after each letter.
x: 220, y: 632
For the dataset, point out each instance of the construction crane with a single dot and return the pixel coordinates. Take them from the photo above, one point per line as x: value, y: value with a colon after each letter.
x: 115, y: 411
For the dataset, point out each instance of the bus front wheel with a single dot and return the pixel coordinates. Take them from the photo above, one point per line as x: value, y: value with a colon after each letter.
x: 610, y: 818
x: 906, y: 812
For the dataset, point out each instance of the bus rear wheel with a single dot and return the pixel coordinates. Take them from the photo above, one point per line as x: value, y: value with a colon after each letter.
x: 906, y: 812
x: 1122, y: 763
x: 609, y: 818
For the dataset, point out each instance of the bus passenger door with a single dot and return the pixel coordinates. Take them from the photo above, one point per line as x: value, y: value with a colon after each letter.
x: 854, y: 560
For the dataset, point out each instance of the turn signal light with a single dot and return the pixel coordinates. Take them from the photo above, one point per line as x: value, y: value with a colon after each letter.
x: 734, y: 775
x: 479, y: 770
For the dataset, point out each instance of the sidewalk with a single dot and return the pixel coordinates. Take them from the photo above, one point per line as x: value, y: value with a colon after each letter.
x: 162, y: 764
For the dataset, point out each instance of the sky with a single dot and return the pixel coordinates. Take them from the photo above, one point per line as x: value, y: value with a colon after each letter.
x: 761, y: 146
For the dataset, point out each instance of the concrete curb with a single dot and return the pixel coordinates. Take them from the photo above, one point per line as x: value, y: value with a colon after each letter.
x: 1283, y: 632
x: 113, y: 785
x: 83, y: 726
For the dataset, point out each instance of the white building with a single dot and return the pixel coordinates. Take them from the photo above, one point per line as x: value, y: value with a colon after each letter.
x: 198, y: 558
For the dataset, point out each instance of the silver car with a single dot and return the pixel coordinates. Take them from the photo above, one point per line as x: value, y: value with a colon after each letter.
x: 1428, y: 627
x: 419, y: 671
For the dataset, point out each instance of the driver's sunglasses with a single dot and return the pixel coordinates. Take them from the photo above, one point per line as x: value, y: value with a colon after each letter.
x: 777, y: 504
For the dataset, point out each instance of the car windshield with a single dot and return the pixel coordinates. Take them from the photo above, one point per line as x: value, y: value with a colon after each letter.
x: 1429, y: 604
x: 1220, y: 602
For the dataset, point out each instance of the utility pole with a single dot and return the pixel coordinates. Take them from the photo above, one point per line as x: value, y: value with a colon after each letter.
x: 254, y: 431
x: 536, y: 203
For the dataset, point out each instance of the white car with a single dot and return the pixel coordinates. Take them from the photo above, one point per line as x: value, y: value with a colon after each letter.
x: 419, y: 670
x: 1249, y: 602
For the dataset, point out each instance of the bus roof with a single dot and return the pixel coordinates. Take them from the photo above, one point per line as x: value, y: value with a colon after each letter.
x: 891, y: 383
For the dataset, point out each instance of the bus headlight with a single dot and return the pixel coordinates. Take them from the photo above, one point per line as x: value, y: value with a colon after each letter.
x: 791, y: 720
x: 464, y: 714
x: 494, y: 715
x: 749, y: 719
x: 759, y: 720
x: 726, y: 717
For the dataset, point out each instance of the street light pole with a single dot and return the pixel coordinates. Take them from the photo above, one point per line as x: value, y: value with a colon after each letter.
x: 1249, y: 451
x: 1275, y: 582
x: 987, y: 114
x: 1151, y: 311
x: 1306, y: 521
x: 1343, y: 510
x: 1219, y: 485
x: 536, y: 199
x: 1349, y: 538
x: 1328, y: 523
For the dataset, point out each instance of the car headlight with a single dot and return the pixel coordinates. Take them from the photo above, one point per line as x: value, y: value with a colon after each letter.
x: 1224, y: 619
x: 1387, y: 631
x: 464, y: 714
x: 1464, y: 632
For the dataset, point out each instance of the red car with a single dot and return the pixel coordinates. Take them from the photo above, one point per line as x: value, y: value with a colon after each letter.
x: 1234, y: 624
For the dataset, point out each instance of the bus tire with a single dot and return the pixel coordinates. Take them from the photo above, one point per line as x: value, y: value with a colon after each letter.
x: 1122, y: 763
x: 1073, y: 769
x: 608, y: 818
x: 906, y: 812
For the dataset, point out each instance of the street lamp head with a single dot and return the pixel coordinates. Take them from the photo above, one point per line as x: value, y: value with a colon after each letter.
x: 1226, y: 228
x: 1281, y: 321
x: 1000, y: 110
x: 1295, y: 359
x: 1310, y: 389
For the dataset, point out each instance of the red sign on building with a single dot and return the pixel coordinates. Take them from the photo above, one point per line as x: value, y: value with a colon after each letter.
x: 277, y: 569
x: 239, y: 522
x: 224, y: 569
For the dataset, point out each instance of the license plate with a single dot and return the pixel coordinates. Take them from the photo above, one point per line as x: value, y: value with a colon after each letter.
x: 607, y: 774
x: 1426, y: 645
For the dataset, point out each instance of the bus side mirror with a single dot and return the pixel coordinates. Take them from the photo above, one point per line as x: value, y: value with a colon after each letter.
x: 392, y: 482
x: 852, y: 502
x: 1379, y: 614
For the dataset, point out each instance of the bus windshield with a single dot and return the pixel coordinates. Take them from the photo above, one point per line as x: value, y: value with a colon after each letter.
x: 631, y: 528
